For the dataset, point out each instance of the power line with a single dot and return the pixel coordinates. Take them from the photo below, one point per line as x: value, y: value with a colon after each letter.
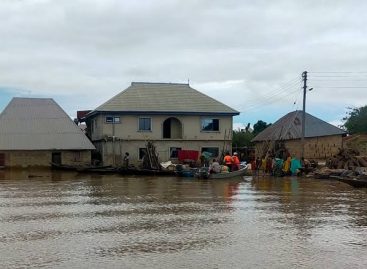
x: 269, y: 101
x: 277, y: 93
x: 338, y: 80
x: 337, y: 76
x: 340, y: 87
x: 281, y: 89
x: 338, y: 72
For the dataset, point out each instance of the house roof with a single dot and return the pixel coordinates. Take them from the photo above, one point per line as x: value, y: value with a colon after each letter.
x: 39, y: 124
x: 290, y: 127
x: 163, y: 98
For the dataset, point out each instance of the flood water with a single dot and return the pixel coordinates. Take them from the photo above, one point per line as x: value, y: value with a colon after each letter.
x: 70, y: 220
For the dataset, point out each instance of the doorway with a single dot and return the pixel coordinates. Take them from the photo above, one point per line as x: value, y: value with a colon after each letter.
x: 172, y: 128
x: 2, y: 159
x: 56, y: 157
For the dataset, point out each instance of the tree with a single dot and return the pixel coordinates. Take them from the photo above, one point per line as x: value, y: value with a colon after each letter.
x: 356, y: 120
x: 241, y: 139
x: 260, y: 126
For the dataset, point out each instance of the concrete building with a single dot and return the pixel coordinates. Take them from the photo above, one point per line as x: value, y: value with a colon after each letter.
x: 173, y: 116
x: 322, y: 140
x: 37, y: 131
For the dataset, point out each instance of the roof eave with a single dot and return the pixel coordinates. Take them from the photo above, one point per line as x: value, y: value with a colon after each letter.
x: 184, y: 113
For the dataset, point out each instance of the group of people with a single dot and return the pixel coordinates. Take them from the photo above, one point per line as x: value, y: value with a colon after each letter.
x: 277, y: 166
x: 230, y: 163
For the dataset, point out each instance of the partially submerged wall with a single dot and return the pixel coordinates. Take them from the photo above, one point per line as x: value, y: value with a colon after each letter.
x: 315, y: 147
x: 44, y: 158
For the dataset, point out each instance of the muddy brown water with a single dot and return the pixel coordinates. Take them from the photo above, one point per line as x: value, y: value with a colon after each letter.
x: 69, y: 220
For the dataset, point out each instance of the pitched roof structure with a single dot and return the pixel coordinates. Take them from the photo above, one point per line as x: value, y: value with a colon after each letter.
x: 39, y: 124
x: 290, y: 127
x: 163, y: 98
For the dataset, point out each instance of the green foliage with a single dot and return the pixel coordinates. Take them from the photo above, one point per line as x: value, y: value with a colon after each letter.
x: 260, y: 126
x: 242, y: 139
x: 356, y: 120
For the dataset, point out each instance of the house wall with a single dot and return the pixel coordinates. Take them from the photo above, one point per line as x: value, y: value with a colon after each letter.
x: 113, y: 140
x: 129, y: 124
x: 113, y: 152
x: 315, y: 147
x: 44, y: 157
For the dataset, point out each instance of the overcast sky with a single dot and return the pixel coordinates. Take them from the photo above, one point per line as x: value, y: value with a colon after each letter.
x: 247, y: 54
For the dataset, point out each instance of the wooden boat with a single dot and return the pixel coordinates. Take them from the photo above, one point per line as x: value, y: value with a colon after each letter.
x: 355, y: 182
x: 82, y: 168
x: 145, y: 172
x: 204, y: 173
x: 59, y: 166
x: 186, y: 172
x: 99, y: 170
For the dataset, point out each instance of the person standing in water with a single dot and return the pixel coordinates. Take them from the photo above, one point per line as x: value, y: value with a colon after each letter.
x: 126, y: 159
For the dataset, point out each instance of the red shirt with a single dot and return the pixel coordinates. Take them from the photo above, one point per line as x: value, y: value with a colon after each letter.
x: 236, y: 160
x: 227, y: 159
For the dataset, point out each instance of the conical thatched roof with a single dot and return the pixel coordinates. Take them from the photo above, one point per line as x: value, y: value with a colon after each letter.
x: 290, y: 127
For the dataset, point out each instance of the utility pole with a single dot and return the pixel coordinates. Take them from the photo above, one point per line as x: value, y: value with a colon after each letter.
x: 304, y: 77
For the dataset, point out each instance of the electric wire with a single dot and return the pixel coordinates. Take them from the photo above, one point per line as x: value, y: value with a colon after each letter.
x: 282, y: 95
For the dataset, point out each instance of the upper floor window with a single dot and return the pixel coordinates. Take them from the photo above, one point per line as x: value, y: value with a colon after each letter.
x: 92, y: 125
x: 112, y: 119
x: 208, y: 124
x: 145, y: 124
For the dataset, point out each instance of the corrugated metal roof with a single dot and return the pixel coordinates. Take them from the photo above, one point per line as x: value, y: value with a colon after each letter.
x: 290, y: 127
x: 39, y: 124
x: 163, y: 97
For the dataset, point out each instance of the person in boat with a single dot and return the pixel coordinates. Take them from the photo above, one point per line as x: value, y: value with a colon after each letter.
x: 235, y: 162
x: 126, y: 159
x: 215, y: 167
x: 228, y: 161
x: 224, y: 169
x: 204, y: 161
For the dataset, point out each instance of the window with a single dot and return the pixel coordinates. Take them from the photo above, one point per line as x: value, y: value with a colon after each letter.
x: 173, y: 152
x: 93, y: 125
x: 76, y: 156
x: 209, y: 124
x: 211, y: 151
x: 142, y: 153
x: 111, y: 119
x: 145, y: 124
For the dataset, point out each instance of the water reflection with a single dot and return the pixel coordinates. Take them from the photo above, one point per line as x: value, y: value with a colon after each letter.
x: 74, y: 220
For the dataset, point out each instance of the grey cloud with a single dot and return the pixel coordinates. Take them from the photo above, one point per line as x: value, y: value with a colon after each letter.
x: 89, y: 47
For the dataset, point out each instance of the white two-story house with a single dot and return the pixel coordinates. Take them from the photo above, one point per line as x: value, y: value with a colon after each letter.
x: 173, y: 116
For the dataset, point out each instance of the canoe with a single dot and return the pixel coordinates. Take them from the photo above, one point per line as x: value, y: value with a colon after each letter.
x: 188, y: 172
x: 145, y: 172
x: 203, y: 173
x: 99, y: 170
x: 233, y: 174
x: 83, y: 168
x: 355, y: 182
x: 63, y: 166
